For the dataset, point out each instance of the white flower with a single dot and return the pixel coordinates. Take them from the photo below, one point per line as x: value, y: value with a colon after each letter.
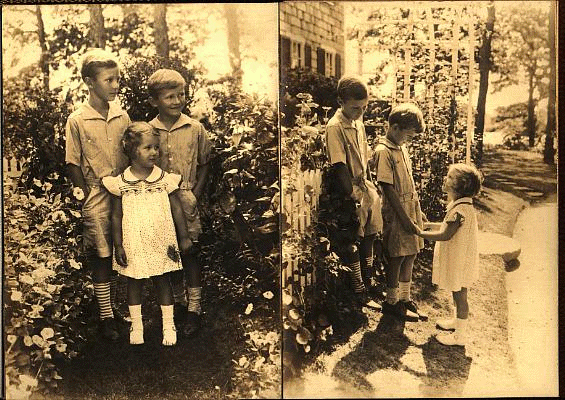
x: 38, y: 340
x: 27, y: 341
x: 47, y: 333
x: 75, y: 264
x: 59, y: 215
x: 47, y: 186
x: 16, y: 295
x: 11, y: 338
x: 27, y: 279
x: 78, y: 193
x: 37, y: 182
x: 249, y: 309
x: 268, y: 295
x: 61, y: 347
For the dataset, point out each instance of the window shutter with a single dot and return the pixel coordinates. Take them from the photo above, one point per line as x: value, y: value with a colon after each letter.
x: 308, y: 56
x: 321, y: 61
x: 285, y: 52
x: 337, y: 66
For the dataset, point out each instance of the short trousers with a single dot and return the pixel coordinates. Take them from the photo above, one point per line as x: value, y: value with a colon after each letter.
x: 189, y: 206
x: 397, y: 241
x: 97, y: 222
x: 369, y: 211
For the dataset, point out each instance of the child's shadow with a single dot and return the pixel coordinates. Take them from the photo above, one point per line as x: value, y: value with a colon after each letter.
x: 447, y: 369
x: 378, y: 350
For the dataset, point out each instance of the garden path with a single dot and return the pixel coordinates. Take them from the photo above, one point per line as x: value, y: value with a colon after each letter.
x: 532, y: 301
x: 384, y: 359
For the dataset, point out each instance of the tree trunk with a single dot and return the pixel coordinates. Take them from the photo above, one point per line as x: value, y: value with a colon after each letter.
x: 160, y: 30
x: 96, y: 34
x: 531, y: 121
x: 230, y: 12
x: 484, y: 69
x: 549, y: 151
x: 44, y: 58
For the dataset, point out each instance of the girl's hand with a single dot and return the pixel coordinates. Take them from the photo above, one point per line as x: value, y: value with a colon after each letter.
x: 185, y: 244
x: 120, y: 255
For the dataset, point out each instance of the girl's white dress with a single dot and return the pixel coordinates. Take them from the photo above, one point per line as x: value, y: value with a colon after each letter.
x: 148, y: 229
x: 456, y: 261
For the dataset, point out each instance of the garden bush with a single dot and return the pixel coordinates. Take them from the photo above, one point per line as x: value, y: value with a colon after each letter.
x: 49, y: 311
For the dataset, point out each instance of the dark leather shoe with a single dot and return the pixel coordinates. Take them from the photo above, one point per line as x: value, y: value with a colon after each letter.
x: 193, y: 324
x: 399, y: 310
x: 411, y: 306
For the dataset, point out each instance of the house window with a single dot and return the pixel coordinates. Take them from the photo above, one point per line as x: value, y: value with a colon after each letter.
x: 329, y: 70
x: 297, y: 59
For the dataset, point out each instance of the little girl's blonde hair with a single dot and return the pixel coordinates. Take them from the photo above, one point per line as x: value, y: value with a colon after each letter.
x: 132, y: 137
x: 467, y: 179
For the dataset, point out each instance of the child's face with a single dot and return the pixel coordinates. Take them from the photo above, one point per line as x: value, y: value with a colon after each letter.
x: 401, y: 135
x: 449, y: 184
x: 353, y: 109
x: 147, y: 153
x: 106, y: 84
x: 170, y: 102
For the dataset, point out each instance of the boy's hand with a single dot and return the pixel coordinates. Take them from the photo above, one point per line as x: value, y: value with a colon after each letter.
x: 185, y: 244
x: 120, y: 255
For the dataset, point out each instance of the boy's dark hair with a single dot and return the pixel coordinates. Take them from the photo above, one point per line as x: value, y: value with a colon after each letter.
x: 350, y: 87
x: 467, y: 179
x: 132, y: 137
x: 406, y: 116
x: 164, y: 79
x: 93, y: 60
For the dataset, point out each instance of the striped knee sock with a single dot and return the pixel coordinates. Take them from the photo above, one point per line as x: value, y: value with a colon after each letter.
x: 404, y: 290
x: 369, y: 267
x: 356, y: 276
x: 392, y: 295
x: 194, y: 294
x: 102, y: 292
x: 179, y: 292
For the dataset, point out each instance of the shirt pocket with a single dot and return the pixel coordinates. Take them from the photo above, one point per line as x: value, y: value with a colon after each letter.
x: 90, y: 141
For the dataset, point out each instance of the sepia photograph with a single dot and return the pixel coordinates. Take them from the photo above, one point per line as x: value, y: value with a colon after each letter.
x: 141, y: 201
x: 418, y: 169
x: 294, y: 199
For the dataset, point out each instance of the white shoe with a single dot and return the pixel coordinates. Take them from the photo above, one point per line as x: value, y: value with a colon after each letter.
x: 446, y: 324
x: 169, y: 336
x: 451, y: 339
x: 136, y: 335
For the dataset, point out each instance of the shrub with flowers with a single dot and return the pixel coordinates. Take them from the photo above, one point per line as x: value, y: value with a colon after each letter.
x: 47, y: 297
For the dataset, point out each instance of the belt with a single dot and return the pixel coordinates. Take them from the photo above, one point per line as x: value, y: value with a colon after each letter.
x: 93, y: 181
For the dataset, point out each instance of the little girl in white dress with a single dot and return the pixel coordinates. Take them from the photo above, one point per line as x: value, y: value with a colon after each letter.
x: 145, y: 212
x: 455, y: 263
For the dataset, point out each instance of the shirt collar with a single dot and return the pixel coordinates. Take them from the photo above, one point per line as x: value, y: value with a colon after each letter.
x: 462, y: 200
x: 388, y: 143
x: 183, y: 120
x: 344, y: 120
x: 153, y: 177
x: 115, y: 110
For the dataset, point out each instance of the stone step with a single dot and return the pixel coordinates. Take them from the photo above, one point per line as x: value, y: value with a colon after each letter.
x: 495, y: 243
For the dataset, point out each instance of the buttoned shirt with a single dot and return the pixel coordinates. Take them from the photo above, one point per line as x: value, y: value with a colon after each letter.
x: 183, y: 148
x: 346, y: 142
x: 93, y: 142
x: 394, y: 167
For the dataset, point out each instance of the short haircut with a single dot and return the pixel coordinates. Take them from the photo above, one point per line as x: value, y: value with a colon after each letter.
x: 407, y: 116
x: 351, y: 87
x: 132, y: 137
x: 164, y: 79
x: 467, y: 179
x: 93, y: 60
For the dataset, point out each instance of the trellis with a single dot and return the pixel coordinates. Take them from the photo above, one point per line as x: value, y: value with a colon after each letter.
x: 427, y: 17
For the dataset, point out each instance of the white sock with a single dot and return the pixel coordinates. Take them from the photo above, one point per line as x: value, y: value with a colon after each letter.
x: 194, y: 294
x: 404, y: 290
x: 135, y: 315
x: 392, y: 295
x: 102, y: 292
x: 167, y: 314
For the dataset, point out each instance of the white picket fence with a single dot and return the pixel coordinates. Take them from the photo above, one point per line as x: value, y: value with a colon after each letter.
x: 300, y: 207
